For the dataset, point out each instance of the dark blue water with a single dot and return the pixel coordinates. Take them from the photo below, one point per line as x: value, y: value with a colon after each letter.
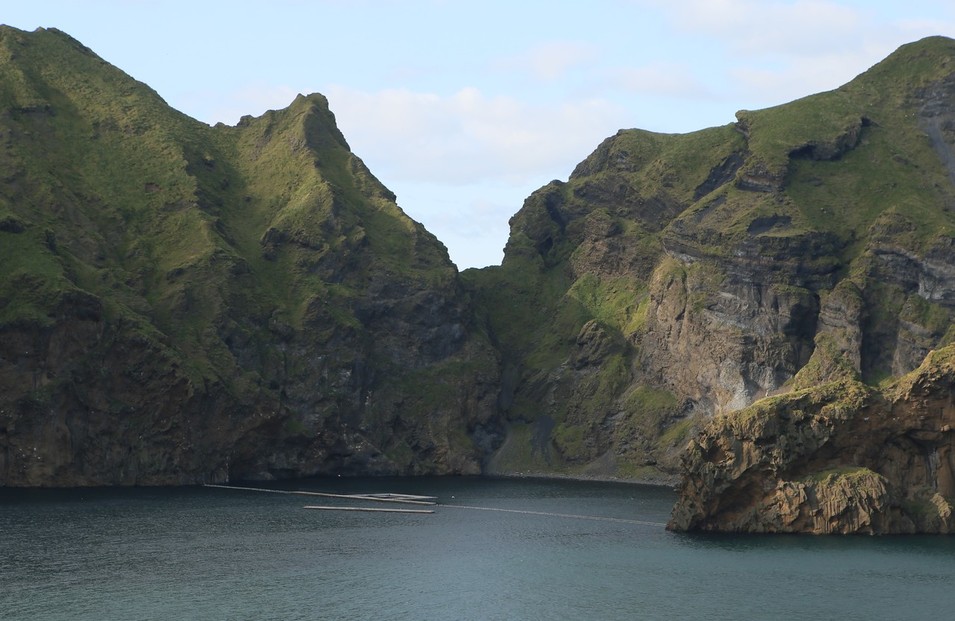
x: 202, y: 553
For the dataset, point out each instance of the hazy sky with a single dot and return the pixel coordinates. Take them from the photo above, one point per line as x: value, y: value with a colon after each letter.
x: 463, y: 108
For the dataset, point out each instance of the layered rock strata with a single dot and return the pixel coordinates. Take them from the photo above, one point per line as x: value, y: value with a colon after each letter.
x: 839, y: 458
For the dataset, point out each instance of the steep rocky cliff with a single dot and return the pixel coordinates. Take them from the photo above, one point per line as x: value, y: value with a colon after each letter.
x: 182, y: 303
x: 851, y: 451
x: 837, y: 458
x: 677, y: 277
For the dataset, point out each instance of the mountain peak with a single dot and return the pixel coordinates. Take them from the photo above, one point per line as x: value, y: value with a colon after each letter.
x: 912, y: 65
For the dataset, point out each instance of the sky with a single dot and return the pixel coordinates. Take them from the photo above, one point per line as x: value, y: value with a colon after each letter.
x: 464, y: 108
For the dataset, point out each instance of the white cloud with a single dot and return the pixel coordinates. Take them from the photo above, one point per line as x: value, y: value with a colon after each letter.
x: 776, y: 51
x: 656, y: 79
x: 252, y: 99
x: 781, y: 28
x: 552, y: 60
x: 801, y: 29
x: 467, y: 137
x: 911, y: 29
x: 471, y: 220
x: 463, y: 163
x: 773, y: 85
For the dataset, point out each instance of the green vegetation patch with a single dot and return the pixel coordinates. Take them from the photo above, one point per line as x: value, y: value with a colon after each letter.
x: 521, y: 453
x: 31, y: 278
x: 849, y: 473
x: 613, y: 301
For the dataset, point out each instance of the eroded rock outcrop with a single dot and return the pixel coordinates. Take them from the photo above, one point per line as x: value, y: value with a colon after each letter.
x: 728, y: 330
x: 838, y: 458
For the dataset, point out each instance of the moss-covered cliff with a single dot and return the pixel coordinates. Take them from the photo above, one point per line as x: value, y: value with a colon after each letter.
x: 677, y: 277
x: 183, y: 303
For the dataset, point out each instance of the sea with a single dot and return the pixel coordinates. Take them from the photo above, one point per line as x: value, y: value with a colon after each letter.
x: 503, y: 549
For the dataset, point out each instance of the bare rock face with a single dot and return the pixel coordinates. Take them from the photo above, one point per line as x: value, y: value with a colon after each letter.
x: 851, y: 502
x: 91, y: 401
x: 839, y: 458
x: 727, y: 331
x: 835, y: 455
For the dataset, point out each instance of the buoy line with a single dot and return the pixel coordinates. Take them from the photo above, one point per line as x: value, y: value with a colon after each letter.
x: 408, y: 499
x: 599, y: 518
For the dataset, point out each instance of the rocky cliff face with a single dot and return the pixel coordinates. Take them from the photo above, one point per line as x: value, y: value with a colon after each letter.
x: 841, y: 456
x: 799, y: 246
x: 838, y: 458
x: 728, y: 331
x: 182, y: 303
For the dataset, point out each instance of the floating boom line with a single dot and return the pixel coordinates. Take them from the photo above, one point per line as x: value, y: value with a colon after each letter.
x: 575, y: 516
x: 409, y: 499
x: 424, y: 500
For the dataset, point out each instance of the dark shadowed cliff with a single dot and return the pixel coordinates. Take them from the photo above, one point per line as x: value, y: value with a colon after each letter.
x: 182, y: 303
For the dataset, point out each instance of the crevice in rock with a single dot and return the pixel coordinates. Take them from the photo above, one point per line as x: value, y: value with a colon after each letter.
x: 721, y: 174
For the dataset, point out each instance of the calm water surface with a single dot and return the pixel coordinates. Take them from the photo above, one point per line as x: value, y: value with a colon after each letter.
x: 202, y: 553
